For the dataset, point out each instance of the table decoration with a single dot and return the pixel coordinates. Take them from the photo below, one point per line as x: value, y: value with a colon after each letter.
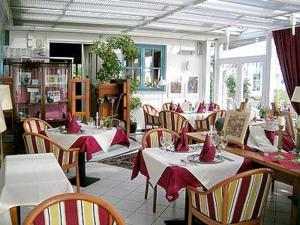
x: 208, y: 151
x: 179, y: 109
x: 182, y: 144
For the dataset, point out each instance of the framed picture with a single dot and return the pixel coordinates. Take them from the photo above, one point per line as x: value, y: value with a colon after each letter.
x: 34, y: 81
x: 176, y: 88
x: 51, y: 80
x: 54, y: 95
x: 193, y: 85
x: 235, y: 126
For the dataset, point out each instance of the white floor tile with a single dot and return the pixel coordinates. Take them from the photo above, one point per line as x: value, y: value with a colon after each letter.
x: 140, y: 219
x: 128, y: 205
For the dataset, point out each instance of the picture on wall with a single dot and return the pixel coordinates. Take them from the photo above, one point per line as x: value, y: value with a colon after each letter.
x: 193, y: 85
x: 176, y: 87
x: 53, y: 96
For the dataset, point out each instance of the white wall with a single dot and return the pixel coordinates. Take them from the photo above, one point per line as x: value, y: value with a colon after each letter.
x: 174, y: 62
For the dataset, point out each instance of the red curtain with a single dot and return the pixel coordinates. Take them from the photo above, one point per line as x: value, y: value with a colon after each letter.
x: 288, y: 51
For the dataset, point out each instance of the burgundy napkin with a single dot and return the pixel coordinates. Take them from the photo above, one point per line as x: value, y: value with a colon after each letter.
x: 201, y: 108
x: 69, y: 119
x: 179, y: 109
x: 73, y: 127
x: 211, y: 107
x: 182, y: 144
x: 208, y: 151
x: 287, y: 142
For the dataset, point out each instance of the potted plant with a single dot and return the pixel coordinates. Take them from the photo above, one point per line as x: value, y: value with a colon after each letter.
x: 111, y: 65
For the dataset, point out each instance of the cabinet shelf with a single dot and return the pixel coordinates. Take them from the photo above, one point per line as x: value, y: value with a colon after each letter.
x: 34, y: 83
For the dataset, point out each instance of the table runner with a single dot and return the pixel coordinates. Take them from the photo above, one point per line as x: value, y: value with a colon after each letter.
x: 104, y: 137
x: 29, y: 180
x: 157, y: 160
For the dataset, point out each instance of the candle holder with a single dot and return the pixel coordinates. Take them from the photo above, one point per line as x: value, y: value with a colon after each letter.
x: 280, y: 144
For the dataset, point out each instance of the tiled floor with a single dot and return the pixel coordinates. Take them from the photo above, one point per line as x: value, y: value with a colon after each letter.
x: 128, y: 197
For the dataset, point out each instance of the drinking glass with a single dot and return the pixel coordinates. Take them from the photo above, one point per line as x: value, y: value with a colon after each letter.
x: 92, y: 123
x: 163, y: 141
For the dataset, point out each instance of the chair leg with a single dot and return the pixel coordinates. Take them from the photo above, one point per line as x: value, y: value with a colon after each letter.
x: 190, y: 216
x: 77, y: 179
x: 147, y: 187
x: 272, y: 187
x: 154, y: 199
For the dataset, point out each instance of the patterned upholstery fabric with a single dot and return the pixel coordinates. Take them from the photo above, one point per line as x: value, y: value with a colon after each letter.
x: 246, y: 198
x: 36, y: 143
x: 74, y: 209
x: 151, y: 116
x: 152, y: 137
x: 167, y: 106
x: 35, y: 125
x: 172, y: 120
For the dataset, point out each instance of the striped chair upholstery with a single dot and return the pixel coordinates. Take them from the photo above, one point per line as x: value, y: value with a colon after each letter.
x: 67, y: 158
x: 71, y: 209
x: 152, y: 139
x: 35, y: 125
x: 219, y: 114
x: 240, y: 199
x: 167, y: 106
x: 204, y: 124
x: 151, y: 116
x: 172, y: 120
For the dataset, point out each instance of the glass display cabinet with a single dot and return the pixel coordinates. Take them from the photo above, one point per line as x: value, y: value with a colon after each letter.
x: 40, y: 89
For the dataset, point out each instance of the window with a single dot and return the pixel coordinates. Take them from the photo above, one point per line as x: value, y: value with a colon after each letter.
x: 148, y: 68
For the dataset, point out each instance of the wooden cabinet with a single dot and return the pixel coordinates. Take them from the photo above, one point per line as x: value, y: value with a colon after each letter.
x: 80, y: 98
x: 40, y: 89
x: 119, y: 92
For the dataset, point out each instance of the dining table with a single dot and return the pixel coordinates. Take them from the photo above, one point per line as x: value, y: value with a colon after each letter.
x: 27, y: 180
x: 90, y: 140
x: 173, y: 171
x: 283, y: 170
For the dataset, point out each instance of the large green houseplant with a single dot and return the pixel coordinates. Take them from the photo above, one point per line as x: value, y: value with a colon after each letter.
x: 106, y: 50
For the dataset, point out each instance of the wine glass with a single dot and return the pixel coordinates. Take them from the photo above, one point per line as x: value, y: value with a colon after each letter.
x: 223, y: 144
x: 164, y: 141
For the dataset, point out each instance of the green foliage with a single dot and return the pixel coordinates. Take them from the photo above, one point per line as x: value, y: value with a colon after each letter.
x: 280, y: 97
x: 263, y: 112
x: 230, y: 82
x: 246, y: 88
x: 134, y: 85
x: 135, y: 102
x: 111, y: 65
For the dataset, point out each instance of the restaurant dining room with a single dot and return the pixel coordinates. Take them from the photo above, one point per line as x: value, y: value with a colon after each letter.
x: 149, y: 112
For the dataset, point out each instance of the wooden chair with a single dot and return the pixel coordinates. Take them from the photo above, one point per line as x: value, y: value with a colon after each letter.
x: 35, y: 125
x: 167, y: 106
x: 240, y: 199
x: 68, y: 209
x: 204, y: 124
x: 243, y: 106
x: 152, y: 139
x: 67, y: 158
x: 151, y: 116
x: 172, y: 120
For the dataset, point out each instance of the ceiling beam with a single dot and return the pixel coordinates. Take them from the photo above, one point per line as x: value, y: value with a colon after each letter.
x: 7, y: 11
x: 178, y: 9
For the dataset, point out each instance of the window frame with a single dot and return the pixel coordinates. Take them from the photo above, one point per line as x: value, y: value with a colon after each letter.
x: 142, y: 48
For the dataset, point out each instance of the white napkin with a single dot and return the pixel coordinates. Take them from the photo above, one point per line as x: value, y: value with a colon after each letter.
x: 258, y: 140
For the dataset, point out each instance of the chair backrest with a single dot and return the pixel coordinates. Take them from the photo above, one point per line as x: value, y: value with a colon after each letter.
x: 217, y: 107
x: 289, y: 123
x: 220, y: 113
x: 35, y: 125
x: 152, y: 137
x: 167, y: 106
x: 37, y: 143
x: 204, y: 125
x: 240, y: 198
x: 150, y: 115
x: 172, y: 120
x: 72, y: 209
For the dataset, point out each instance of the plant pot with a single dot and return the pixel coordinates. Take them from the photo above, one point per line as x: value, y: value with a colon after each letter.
x: 133, y: 127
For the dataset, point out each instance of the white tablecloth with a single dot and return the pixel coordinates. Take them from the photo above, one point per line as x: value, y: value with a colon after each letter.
x: 157, y: 160
x: 104, y: 137
x: 191, y: 117
x: 29, y: 180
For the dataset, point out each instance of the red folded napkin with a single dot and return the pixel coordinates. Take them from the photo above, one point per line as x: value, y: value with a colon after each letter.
x: 211, y: 107
x: 179, y: 109
x: 69, y: 119
x: 201, y: 108
x: 208, y: 151
x: 287, y: 142
x: 182, y: 145
x: 73, y: 127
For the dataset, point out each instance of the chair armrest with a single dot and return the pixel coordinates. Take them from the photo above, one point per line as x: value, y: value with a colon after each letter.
x: 72, y: 150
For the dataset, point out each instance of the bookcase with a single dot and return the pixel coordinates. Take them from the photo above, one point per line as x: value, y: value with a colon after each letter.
x: 40, y: 89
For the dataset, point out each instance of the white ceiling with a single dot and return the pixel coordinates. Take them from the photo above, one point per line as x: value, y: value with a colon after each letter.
x: 186, y: 19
